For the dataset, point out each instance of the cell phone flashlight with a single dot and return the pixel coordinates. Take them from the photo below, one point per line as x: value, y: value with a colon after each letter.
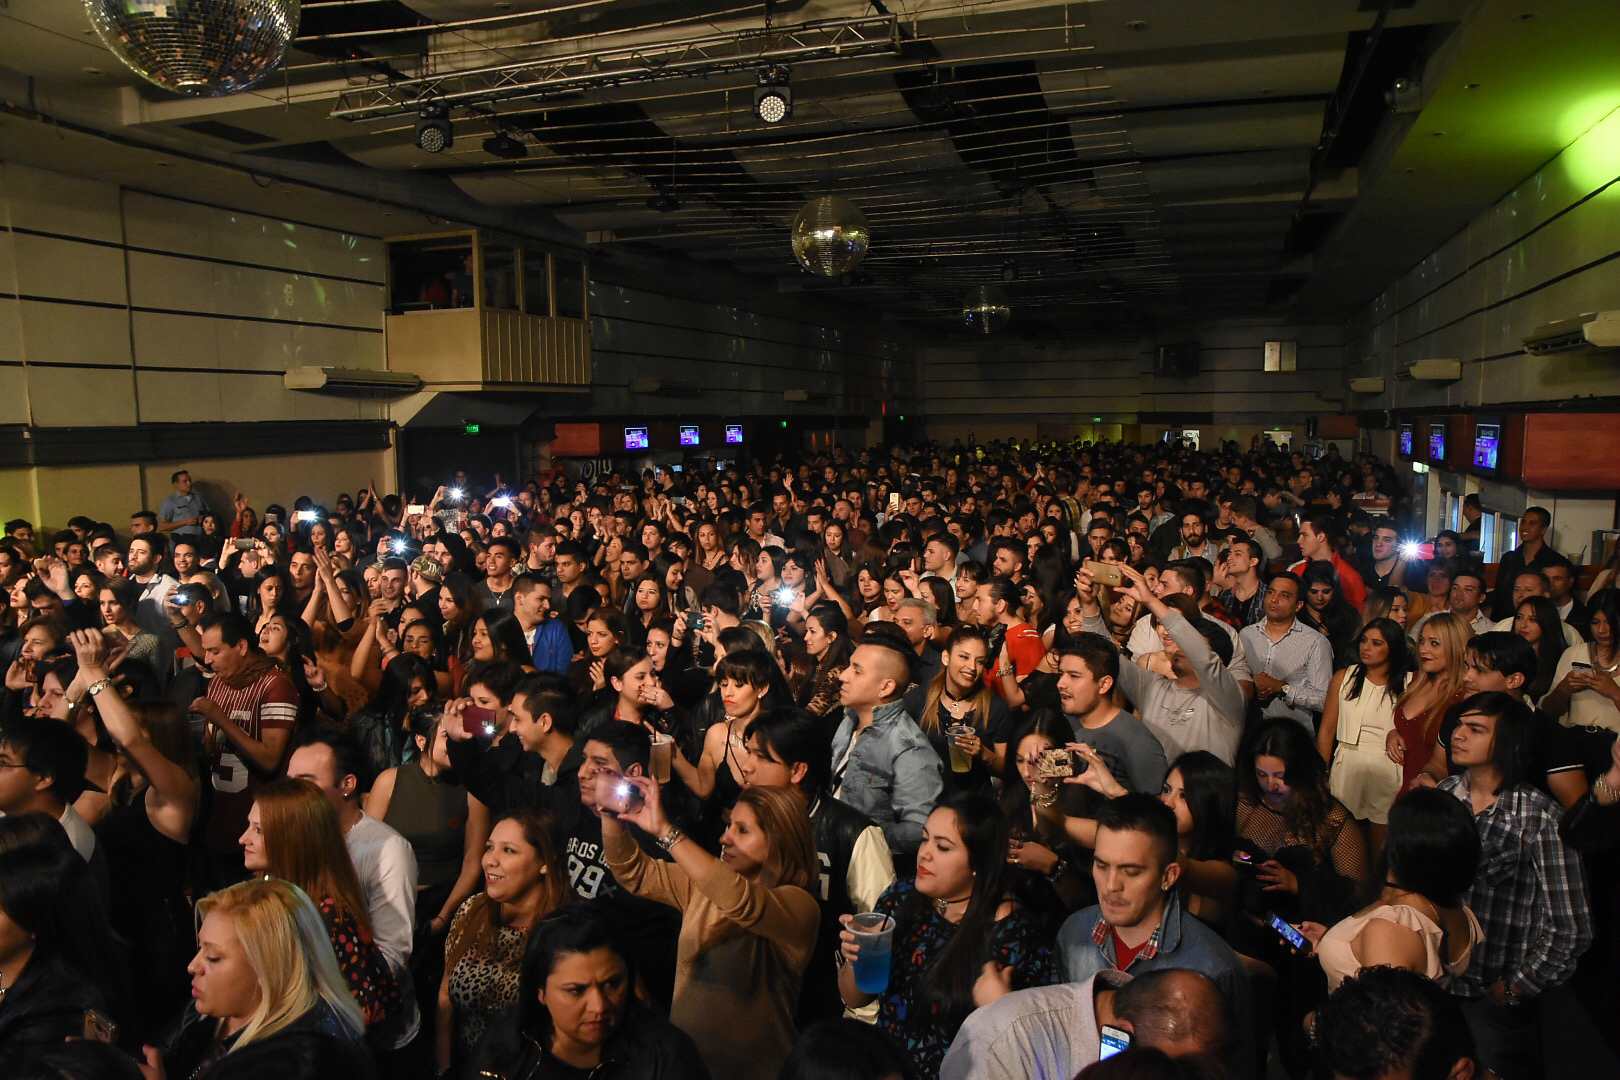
x: 785, y: 596
x: 456, y: 493
x: 397, y: 547
x: 1113, y: 1040
x: 415, y: 509
x: 306, y: 515
x: 1289, y: 933
x: 504, y: 502
x: 1409, y: 550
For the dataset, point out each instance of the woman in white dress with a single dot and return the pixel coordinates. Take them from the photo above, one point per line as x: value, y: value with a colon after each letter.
x: 1357, y: 715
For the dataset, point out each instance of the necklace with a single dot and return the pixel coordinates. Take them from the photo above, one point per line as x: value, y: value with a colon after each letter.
x: 941, y: 905
x: 1043, y: 799
x: 1614, y: 658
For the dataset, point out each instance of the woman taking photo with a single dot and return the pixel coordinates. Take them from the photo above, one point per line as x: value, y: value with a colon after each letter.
x: 748, y: 919
x: 1056, y: 876
x: 267, y: 996
x: 951, y: 921
x: 1436, y: 686
x: 1417, y: 921
x: 826, y: 639
x: 577, y: 1013
x: 965, y: 723
x: 1358, y: 714
x: 293, y: 834
x: 524, y: 882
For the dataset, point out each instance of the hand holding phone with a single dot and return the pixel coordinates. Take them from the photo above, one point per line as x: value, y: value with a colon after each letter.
x: 1290, y: 934
x: 1103, y: 573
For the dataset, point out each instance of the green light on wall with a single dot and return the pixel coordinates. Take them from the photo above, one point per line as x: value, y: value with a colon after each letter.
x: 1096, y: 419
x: 1593, y: 158
x: 472, y: 427
x: 784, y: 425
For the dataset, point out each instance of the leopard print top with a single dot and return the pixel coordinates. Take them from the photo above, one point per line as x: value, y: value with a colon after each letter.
x: 484, y: 983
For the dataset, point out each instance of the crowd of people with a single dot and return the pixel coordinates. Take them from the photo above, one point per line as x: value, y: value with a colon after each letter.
x: 959, y: 761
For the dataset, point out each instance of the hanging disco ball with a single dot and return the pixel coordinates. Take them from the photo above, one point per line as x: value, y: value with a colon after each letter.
x: 986, y: 309
x: 830, y: 236
x: 205, y: 48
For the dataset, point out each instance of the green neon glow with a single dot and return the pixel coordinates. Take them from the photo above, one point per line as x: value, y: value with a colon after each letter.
x: 1593, y: 159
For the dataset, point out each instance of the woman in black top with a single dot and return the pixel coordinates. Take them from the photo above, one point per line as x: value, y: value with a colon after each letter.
x: 959, y: 699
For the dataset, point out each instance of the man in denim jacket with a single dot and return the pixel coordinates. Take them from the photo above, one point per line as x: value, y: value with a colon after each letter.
x: 882, y: 763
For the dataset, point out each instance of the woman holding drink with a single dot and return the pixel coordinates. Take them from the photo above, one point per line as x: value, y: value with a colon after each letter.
x: 748, y: 918
x: 956, y: 936
x: 964, y: 721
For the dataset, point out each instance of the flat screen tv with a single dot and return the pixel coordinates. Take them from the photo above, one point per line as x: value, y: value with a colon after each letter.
x: 1437, y: 443
x: 635, y: 438
x: 733, y: 434
x: 1406, y: 440
x: 1487, y: 442
x: 689, y: 435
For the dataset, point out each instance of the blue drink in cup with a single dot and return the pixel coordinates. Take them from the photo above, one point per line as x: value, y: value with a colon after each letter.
x: 874, y: 932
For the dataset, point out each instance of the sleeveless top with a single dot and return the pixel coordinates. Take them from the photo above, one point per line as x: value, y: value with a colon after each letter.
x: 1419, y: 734
x: 433, y: 817
x: 1339, y: 960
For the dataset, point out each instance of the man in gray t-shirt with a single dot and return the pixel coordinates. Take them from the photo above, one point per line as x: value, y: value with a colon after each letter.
x: 1087, y: 671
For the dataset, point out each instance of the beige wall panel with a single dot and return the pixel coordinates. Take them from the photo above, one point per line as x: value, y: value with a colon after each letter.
x: 17, y: 495
x: 8, y: 268
x: 68, y: 270
x: 180, y: 284
x: 265, y: 480
x: 78, y: 397
x: 172, y: 397
x: 75, y: 334
x: 178, y: 341
x: 11, y: 344
x: 106, y: 492
x: 54, y: 202
x: 13, y: 395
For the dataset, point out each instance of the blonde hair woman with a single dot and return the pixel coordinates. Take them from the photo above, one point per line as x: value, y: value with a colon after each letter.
x: 748, y: 918
x: 267, y: 994
x: 293, y: 834
x: 1442, y: 646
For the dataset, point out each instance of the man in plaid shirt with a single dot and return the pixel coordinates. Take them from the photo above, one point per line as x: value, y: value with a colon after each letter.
x: 1529, y: 893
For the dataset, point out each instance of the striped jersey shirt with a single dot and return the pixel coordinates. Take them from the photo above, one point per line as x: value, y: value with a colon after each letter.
x: 269, y: 703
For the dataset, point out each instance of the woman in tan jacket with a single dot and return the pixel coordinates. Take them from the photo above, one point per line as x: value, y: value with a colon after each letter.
x: 748, y: 918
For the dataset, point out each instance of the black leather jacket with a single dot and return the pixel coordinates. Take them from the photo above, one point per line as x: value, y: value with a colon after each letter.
x: 645, y: 1047
x: 46, y: 1006
x: 313, y: 1047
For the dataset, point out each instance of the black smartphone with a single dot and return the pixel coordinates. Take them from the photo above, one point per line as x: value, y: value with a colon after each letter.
x: 1243, y: 860
x: 1289, y: 933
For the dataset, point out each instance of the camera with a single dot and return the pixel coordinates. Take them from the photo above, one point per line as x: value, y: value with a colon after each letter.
x: 1056, y: 763
x: 616, y: 794
x: 695, y: 621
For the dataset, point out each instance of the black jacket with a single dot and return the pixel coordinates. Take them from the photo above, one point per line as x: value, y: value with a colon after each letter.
x: 504, y: 777
x: 313, y: 1047
x: 835, y: 827
x: 645, y: 1047
x: 46, y: 1006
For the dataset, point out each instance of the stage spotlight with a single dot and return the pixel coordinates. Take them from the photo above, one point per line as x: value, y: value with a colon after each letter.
x: 433, y: 132
x: 773, y: 97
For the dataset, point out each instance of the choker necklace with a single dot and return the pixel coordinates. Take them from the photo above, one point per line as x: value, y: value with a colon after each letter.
x: 1043, y: 799
x: 941, y: 905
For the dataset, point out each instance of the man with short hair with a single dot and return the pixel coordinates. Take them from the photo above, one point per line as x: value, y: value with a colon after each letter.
x: 1292, y: 663
x: 1195, y: 542
x: 939, y: 557
x: 1533, y: 553
x: 1530, y: 893
x: 384, y: 862
x: 1464, y: 599
x: 1319, y: 535
x: 143, y: 523
x: 1531, y: 583
x: 1056, y: 1031
x: 1087, y: 672
x: 1560, y: 575
x: 919, y: 621
x: 250, y: 710
x: 1386, y: 566
x: 1389, y: 1023
x: 501, y: 556
x: 572, y: 561
x: 883, y: 764
x: 1007, y: 558
x: 1244, y: 594
x: 181, y: 512
x: 42, y: 771
x: 550, y: 648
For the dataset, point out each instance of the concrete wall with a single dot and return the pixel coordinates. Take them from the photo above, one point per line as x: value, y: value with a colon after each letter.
x: 996, y: 390
x: 122, y: 311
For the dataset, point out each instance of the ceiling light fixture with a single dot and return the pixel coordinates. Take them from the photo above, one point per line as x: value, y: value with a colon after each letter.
x: 773, y: 97
x: 503, y: 144
x: 433, y: 131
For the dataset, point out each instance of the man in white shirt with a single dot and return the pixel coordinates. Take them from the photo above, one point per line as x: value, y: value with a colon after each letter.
x: 1466, y: 595
x: 383, y: 859
x: 1293, y: 663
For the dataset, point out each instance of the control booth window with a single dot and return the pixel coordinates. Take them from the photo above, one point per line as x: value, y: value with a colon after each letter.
x: 430, y: 273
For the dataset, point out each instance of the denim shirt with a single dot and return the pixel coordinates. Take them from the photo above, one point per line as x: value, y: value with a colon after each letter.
x: 893, y: 775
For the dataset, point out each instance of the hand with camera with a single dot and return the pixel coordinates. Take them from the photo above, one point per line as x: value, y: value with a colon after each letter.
x: 1094, y: 772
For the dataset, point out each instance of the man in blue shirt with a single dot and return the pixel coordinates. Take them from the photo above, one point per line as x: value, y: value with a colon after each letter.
x: 182, y: 512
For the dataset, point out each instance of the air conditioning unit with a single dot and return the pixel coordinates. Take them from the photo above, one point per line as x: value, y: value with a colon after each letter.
x: 1436, y: 370
x: 1593, y: 330
x: 1371, y: 385
x: 359, y: 382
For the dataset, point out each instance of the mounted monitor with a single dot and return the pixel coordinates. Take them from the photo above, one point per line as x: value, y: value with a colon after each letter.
x: 734, y: 435
x: 689, y: 435
x: 1487, y: 444
x: 635, y: 438
x: 1406, y: 440
x: 1437, y: 444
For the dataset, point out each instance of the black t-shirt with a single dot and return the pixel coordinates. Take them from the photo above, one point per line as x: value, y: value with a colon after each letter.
x: 1554, y: 749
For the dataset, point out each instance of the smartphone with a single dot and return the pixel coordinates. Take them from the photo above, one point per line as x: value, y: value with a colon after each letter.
x: 480, y: 723
x: 244, y: 543
x: 99, y: 1027
x: 306, y: 515
x: 615, y: 793
x: 1056, y: 763
x: 677, y: 468
x: 415, y: 509
x: 1112, y: 1041
x: 1579, y: 665
x: 1243, y: 859
x: 1104, y: 573
x: 504, y: 502
x: 894, y: 502
x: 1289, y: 933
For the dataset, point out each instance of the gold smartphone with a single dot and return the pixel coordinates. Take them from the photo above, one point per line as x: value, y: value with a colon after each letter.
x: 1104, y: 573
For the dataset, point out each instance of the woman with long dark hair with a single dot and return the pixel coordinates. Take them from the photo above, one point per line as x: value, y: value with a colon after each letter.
x: 1052, y: 873
x: 459, y: 605
x: 1327, y: 612
x: 827, y: 640
x: 965, y: 723
x: 1537, y: 621
x: 577, y: 1013
x: 950, y: 921
x: 1357, y: 716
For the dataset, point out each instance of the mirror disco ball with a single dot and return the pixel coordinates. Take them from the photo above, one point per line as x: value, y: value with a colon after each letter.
x: 986, y: 309
x: 205, y: 48
x: 830, y: 236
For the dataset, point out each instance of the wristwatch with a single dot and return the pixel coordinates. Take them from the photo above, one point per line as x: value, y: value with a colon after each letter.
x: 98, y: 686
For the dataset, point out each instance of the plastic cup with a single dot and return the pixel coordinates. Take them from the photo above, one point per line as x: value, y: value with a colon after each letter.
x: 661, y: 757
x: 960, y: 762
x: 875, y: 934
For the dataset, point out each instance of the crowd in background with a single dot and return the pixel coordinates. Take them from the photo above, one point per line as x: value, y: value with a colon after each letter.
x: 967, y: 761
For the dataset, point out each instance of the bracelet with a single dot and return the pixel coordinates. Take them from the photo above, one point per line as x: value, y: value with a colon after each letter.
x: 671, y: 838
x: 1604, y: 792
x: 1057, y: 871
x: 98, y: 686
